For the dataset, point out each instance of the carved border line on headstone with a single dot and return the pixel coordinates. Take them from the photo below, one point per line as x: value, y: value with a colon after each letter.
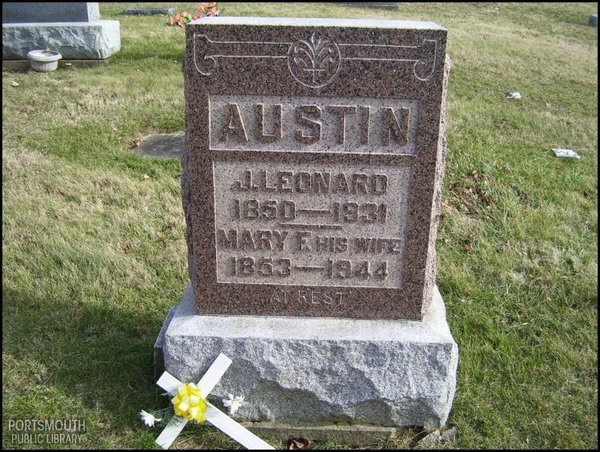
x: 316, y: 61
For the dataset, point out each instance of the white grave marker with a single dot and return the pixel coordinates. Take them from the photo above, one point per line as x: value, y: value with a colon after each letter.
x: 216, y: 417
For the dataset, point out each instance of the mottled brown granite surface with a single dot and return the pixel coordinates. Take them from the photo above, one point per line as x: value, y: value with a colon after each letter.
x: 313, y: 165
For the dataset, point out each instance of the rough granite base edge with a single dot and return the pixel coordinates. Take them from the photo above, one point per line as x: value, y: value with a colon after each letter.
x: 350, y: 434
x: 319, y: 372
x: 96, y: 40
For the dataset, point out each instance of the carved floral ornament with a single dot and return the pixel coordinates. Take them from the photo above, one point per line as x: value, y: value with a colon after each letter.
x: 315, y: 61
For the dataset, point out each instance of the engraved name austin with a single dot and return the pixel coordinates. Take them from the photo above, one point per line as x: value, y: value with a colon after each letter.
x: 313, y: 124
x: 306, y: 124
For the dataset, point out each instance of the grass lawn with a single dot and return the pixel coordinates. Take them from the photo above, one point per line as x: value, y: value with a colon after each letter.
x: 94, y: 250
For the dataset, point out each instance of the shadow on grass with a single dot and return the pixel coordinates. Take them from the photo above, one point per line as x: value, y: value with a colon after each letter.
x: 100, y: 357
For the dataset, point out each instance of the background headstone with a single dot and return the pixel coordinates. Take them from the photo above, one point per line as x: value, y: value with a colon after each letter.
x: 311, y: 188
x: 391, y: 5
x: 148, y: 11
x: 164, y: 145
x: 26, y: 12
x: 73, y: 29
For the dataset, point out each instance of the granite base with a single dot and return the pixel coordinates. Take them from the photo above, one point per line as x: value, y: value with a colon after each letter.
x: 96, y: 40
x: 319, y: 372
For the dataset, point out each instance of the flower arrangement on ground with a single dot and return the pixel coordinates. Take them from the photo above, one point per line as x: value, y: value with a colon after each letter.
x: 204, y: 9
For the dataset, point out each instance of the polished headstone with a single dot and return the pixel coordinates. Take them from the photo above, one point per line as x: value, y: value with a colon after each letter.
x: 313, y: 167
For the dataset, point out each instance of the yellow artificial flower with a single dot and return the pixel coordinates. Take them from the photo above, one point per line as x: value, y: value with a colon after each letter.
x: 188, y: 403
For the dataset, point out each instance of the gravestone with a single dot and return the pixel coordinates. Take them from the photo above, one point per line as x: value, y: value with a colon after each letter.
x: 73, y: 29
x: 392, y: 5
x: 163, y: 145
x: 148, y: 11
x: 311, y: 189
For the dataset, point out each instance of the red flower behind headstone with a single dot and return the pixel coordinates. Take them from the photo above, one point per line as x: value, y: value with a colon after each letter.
x: 206, y: 9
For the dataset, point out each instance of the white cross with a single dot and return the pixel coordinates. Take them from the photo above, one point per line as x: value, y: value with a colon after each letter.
x: 216, y: 417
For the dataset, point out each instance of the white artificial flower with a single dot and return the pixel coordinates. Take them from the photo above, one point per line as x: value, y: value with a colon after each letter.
x: 233, y: 403
x: 148, y: 419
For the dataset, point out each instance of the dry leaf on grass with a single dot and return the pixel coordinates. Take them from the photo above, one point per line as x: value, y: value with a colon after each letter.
x: 299, y: 443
